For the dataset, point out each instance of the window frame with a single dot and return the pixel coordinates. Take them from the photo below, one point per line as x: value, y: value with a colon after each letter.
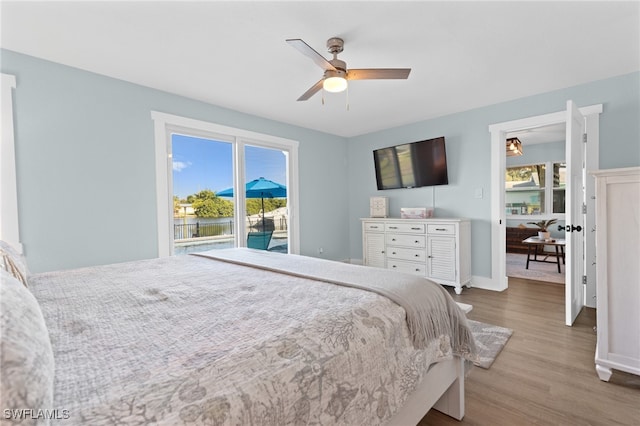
x: 548, y: 193
x: 166, y: 124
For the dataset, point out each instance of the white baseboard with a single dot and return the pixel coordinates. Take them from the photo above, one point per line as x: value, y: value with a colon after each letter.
x: 486, y: 283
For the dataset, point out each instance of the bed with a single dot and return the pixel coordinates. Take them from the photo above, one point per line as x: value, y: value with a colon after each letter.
x: 229, y: 337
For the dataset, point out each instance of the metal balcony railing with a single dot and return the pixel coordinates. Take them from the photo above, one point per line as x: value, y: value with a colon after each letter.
x: 182, y: 231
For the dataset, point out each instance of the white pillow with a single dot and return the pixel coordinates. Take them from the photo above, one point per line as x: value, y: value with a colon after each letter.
x: 26, y: 356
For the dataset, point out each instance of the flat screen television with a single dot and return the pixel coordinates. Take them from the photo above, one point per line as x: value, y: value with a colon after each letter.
x: 412, y: 165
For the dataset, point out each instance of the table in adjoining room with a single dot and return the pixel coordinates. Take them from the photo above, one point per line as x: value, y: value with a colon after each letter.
x: 536, y: 242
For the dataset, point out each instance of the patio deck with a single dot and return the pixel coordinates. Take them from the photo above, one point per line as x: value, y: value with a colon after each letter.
x: 279, y: 243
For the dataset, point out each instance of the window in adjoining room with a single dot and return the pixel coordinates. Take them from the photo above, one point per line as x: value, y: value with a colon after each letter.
x: 559, y: 187
x: 537, y: 189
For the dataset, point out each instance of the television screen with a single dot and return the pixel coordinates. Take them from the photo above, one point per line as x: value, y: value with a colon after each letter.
x: 411, y: 165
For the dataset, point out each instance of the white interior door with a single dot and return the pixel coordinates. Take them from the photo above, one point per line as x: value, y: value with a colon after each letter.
x: 574, y: 288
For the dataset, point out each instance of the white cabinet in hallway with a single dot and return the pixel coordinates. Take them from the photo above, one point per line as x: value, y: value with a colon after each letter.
x: 438, y: 249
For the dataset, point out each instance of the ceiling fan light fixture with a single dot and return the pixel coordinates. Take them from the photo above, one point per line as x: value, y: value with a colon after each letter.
x: 334, y: 84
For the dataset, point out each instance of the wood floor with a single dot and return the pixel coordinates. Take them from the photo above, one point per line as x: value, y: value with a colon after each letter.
x: 546, y: 373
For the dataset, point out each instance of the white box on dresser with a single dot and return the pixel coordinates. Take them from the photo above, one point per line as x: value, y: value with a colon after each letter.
x: 438, y: 249
x: 617, y: 271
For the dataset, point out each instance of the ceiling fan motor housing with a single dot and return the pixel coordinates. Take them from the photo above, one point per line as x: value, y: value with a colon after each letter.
x: 340, y: 69
x: 338, y: 64
x: 336, y: 73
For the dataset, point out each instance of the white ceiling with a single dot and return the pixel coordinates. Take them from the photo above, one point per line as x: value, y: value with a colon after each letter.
x: 463, y: 55
x: 542, y: 134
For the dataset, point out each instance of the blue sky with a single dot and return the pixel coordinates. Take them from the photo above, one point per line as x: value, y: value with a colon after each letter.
x: 207, y: 164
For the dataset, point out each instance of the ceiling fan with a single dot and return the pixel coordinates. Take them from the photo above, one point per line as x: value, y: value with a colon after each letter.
x: 336, y: 73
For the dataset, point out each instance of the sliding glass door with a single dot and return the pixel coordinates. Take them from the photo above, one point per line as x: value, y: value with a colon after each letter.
x: 266, y: 198
x: 203, y: 196
x: 199, y: 168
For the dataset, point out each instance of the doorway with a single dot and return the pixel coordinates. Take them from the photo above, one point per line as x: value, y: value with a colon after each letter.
x: 499, y: 133
x: 535, y: 182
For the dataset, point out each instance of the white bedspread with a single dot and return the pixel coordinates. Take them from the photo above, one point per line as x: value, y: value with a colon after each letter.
x: 430, y: 311
x: 190, y: 340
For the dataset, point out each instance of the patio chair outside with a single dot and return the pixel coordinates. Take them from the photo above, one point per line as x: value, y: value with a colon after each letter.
x: 259, y: 240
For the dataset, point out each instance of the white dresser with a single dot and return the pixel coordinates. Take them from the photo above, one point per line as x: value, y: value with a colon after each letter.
x: 438, y: 249
x: 618, y: 271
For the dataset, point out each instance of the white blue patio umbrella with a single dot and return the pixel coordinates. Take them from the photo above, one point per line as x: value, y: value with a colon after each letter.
x: 259, y: 188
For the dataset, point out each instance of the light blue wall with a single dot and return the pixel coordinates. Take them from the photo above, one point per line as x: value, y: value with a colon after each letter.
x: 86, y: 171
x: 468, y: 154
x: 85, y: 163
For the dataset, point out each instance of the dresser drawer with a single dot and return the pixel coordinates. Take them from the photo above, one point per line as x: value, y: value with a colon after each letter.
x: 407, y: 267
x: 418, y: 255
x: 448, y: 229
x: 374, y: 226
x: 416, y: 228
x: 406, y: 240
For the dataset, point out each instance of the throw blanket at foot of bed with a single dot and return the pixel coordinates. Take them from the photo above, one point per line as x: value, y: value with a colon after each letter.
x: 431, y: 312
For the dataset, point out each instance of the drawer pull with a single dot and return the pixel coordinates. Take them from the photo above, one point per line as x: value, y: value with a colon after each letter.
x: 440, y: 229
x: 393, y: 252
x: 417, y: 270
x: 373, y: 227
x: 416, y: 229
x: 393, y: 239
x: 393, y: 227
x: 417, y: 255
x: 416, y: 241
x: 393, y: 266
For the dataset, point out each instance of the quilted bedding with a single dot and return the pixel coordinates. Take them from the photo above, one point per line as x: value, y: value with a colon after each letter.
x: 192, y: 340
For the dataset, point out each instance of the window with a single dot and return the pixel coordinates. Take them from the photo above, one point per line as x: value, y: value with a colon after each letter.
x: 537, y: 189
x: 244, y: 147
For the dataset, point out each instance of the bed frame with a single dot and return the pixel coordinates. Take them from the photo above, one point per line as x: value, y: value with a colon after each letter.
x: 442, y: 388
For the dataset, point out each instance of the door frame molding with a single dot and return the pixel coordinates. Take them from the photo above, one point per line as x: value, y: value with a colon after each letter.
x: 499, y: 280
x: 9, y: 217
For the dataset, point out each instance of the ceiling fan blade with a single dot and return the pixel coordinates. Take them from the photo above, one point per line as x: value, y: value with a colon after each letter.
x: 378, y: 73
x: 312, y: 91
x: 307, y: 50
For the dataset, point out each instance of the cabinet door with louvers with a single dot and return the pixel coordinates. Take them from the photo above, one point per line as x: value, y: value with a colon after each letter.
x: 441, y: 258
x: 374, y: 249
